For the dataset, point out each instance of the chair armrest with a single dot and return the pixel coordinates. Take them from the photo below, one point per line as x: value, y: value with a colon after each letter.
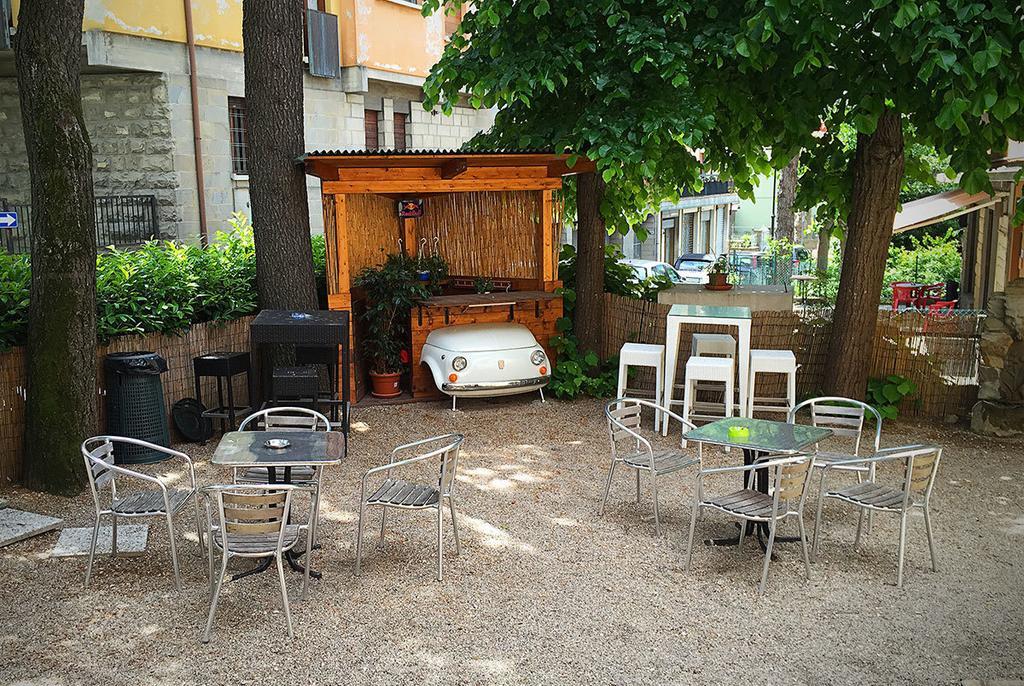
x: 886, y: 455
x: 400, y: 463
x: 759, y: 464
x: 424, y: 441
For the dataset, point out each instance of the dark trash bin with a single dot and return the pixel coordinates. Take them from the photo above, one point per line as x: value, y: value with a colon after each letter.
x: 135, y: 404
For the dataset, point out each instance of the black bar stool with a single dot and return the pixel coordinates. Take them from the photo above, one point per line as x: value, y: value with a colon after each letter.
x: 298, y: 385
x: 224, y: 366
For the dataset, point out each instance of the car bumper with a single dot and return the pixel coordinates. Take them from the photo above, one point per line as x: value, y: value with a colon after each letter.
x: 496, y: 387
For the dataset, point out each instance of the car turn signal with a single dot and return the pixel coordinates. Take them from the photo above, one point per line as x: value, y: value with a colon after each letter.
x: 453, y: 377
x: 543, y: 371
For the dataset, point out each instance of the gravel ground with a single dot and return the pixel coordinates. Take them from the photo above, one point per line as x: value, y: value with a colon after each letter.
x: 545, y: 591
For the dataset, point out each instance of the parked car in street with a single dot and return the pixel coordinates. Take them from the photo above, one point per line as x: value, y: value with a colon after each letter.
x: 472, y: 360
x: 646, y: 269
x: 694, y: 267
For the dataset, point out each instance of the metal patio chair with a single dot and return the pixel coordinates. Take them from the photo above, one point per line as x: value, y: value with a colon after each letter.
x: 630, y: 449
x: 786, y: 499
x: 405, y: 495
x: 158, y: 501
x: 920, y: 464
x: 252, y: 521
x: 845, y: 417
x: 286, y: 419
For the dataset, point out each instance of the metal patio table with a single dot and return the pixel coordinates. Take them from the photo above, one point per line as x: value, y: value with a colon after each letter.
x: 315, y: 328
x: 738, y: 317
x: 765, y: 438
x: 241, y: 449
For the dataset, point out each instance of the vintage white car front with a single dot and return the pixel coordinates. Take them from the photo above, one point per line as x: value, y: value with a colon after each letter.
x: 486, y: 360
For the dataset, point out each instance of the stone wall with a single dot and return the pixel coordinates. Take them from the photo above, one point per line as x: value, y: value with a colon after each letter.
x: 127, y: 117
x: 1000, y: 407
x: 432, y: 129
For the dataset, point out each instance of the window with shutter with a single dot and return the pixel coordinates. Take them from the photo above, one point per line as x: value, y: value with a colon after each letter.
x: 401, y: 134
x: 239, y: 137
x: 371, y: 119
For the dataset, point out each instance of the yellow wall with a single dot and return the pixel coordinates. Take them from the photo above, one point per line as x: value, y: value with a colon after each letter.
x: 380, y: 34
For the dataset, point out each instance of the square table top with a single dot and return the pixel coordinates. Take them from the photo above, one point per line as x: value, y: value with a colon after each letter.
x: 246, y: 448
x: 765, y: 435
x: 710, y: 311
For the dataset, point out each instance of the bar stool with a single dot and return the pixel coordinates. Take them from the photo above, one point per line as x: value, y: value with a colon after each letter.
x: 224, y: 366
x: 642, y: 355
x: 705, y: 344
x: 699, y: 369
x: 772, y: 362
x: 295, y: 384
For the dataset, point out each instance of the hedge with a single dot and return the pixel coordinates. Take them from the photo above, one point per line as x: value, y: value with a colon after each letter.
x: 161, y: 287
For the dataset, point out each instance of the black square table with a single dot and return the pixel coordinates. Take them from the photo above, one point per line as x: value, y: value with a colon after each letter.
x: 765, y: 438
x: 313, y: 328
x: 242, y: 449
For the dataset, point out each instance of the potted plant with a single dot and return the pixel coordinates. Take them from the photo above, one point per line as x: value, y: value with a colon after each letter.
x: 392, y: 290
x: 718, y: 275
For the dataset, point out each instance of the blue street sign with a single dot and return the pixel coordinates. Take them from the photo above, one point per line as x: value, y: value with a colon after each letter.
x: 8, y: 220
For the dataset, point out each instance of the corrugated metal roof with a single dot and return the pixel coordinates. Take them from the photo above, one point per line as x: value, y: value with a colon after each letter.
x: 425, y: 151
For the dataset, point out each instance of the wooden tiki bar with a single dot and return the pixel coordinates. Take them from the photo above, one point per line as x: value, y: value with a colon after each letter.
x: 490, y: 215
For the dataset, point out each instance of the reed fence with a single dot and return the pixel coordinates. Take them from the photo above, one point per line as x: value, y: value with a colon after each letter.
x: 178, y: 381
x: 939, y: 355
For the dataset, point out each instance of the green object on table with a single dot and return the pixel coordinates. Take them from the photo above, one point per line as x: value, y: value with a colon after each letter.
x: 710, y: 311
x: 762, y: 435
x: 739, y: 433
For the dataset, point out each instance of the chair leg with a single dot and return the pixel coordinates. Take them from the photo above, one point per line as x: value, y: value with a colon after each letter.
x: 199, y: 526
x: 307, y: 564
x: 637, y: 486
x: 931, y: 541
x: 903, y: 547
x: 359, y: 538
x: 694, y: 512
x: 688, y: 394
x: 174, y: 552
x: 216, y: 595
x: 767, y: 559
x: 284, y: 596
x: 657, y: 512
x: 92, y: 550
x: 607, y: 488
x: 860, y: 527
x: 743, y: 534
x: 803, y: 546
x: 440, y: 550
x: 113, y: 536
x: 817, y: 517
x: 383, y: 522
x: 455, y: 526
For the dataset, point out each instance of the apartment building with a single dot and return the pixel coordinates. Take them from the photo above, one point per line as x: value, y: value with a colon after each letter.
x: 365, y: 65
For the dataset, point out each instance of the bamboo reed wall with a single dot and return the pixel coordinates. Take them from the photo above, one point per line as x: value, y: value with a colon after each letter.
x: 372, y: 227
x: 490, y: 234
x: 178, y: 382
x: 940, y: 356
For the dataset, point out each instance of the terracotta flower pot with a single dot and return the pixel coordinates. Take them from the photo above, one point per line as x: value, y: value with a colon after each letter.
x: 386, y: 385
x: 718, y: 282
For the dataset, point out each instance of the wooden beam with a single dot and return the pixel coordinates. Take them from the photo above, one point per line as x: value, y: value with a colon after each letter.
x: 546, y: 239
x: 439, y: 186
x: 453, y: 168
x: 409, y: 236
x: 341, y: 241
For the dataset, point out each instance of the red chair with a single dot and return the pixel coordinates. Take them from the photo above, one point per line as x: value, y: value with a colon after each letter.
x: 929, y: 294
x: 905, y: 293
x: 942, y: 309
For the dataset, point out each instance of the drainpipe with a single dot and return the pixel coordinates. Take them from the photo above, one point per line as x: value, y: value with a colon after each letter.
x: 197, y: 138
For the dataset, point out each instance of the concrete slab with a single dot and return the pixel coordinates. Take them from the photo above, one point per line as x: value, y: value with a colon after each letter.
x: 17, y: 525
x: 131, y: 540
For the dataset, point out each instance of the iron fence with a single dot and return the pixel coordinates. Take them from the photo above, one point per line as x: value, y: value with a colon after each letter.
x: 122, y: 221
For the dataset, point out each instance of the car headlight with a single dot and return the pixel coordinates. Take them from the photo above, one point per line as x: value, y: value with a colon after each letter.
x: 537, y: 357
x: 459, y: 363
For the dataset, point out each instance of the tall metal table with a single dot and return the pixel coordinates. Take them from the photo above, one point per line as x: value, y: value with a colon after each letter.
x: 738, y: 317
x: 319, y: 327
x: 764, y: 438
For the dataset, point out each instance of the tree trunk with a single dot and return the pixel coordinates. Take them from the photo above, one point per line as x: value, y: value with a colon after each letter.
x: 785, y: 218
x: 61, y: 405
x: 272, y: 33
x: 877, y: 177
x: 824, y: 245
x: 589, y: 316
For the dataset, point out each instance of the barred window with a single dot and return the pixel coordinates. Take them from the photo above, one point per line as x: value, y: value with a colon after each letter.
x: 402, y: 138
x: 371, y: 125
x: 239, y: 136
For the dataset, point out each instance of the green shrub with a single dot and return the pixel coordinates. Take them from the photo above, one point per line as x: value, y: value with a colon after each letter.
x: 14, y: 286
x: 885, y: 395
x: 161, y: 287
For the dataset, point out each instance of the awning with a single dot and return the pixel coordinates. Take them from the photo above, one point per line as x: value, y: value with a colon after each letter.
x: 939, y: 207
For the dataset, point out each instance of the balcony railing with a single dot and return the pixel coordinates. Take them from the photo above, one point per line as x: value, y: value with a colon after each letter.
x: 121, y: 221
x: 712, y: 186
